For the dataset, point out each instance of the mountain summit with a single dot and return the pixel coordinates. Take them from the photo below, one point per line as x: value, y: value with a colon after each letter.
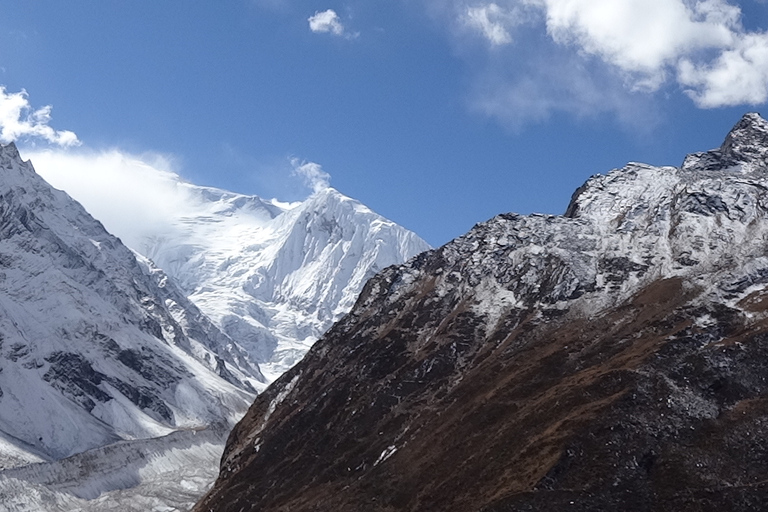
x: 613, y: 358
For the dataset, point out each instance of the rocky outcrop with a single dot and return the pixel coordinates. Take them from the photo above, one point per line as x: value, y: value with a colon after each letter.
x: 610, y: 359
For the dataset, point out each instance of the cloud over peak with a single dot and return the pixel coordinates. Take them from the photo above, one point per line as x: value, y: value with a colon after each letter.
x: 491, y: 21
x: 312, y: 173
x: 19, y: 121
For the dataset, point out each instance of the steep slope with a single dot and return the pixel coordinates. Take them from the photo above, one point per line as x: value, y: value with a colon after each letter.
x: 610, y: 359
x: 96, y: 345
x: 273, y: 276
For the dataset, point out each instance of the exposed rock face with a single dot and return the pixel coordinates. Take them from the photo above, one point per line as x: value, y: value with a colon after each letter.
x: 615, y: 358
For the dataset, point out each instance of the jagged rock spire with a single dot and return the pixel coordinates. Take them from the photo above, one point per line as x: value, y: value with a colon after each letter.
x: 9, y: 151
x: 747, y: 141
x: 746, y: 145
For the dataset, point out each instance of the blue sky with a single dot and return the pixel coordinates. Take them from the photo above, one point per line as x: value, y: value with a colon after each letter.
x: 438, y: 114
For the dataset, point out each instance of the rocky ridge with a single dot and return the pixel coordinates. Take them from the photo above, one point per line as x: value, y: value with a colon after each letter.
x: 613, y: 358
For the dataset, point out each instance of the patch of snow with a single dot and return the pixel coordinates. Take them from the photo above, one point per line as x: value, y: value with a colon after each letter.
x: 387, y: 453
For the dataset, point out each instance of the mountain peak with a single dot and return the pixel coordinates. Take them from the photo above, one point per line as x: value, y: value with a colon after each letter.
x: 747, y: 140
x: 745, y: 150
x: 328, y: 194
x: 613, y: 360
x: 9, y: 149
x: 746, y: 146
x: 10, y: 152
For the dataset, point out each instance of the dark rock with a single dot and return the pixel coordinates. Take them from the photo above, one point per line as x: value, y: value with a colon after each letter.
x: 144, y: 397
x: 76, y: 379
x: 152, y: 366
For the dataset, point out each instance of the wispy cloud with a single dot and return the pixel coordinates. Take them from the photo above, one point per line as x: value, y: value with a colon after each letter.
x: 329, y: 22
x: 530, y: 90
x: 132, y: 195
x: 496, y: 23
x: 19, y: 121
x: 139, y: 196
x: 313, y: 174
x: 490, y: 21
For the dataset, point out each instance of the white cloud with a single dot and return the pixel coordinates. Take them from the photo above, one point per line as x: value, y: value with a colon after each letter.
x: 738, y: 76
x: 701, y: 44
x: 643, y: 36
x: 18, y: 121
x: 313, y: 174
x: 326, y: 21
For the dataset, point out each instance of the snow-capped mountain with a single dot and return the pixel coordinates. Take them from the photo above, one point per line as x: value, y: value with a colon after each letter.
x: 273, y: 276
x: 613, y: 358
x: 97, y: 345
x: 116, y: 390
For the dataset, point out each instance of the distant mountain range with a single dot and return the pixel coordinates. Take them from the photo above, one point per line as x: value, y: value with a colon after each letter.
x: 614, y: 358
x: 272, y: 275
